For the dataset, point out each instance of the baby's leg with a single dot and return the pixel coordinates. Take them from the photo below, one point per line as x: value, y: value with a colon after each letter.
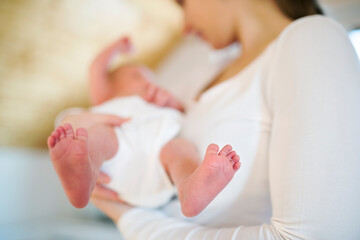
x: 198, y: 183
x: 77, y: 157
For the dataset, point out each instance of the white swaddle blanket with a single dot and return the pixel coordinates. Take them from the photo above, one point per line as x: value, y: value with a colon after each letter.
x: 136, y: 172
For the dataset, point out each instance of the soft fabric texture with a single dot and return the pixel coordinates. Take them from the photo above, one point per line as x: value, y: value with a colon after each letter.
x: 293, y: 116
x: 136, y: 172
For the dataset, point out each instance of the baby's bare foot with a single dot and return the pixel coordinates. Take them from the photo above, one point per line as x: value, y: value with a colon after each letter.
x: 69, y: 155
x: 211, y: 177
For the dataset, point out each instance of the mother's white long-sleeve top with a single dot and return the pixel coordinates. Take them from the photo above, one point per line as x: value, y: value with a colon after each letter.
x: 293, y: 116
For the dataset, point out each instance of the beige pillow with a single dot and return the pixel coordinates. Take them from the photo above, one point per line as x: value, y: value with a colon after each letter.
x: 46, y: 47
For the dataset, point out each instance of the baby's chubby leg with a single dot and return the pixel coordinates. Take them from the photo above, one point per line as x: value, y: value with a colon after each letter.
x: 77, y: 155
x: 198, y: 183
x: 180, y: 158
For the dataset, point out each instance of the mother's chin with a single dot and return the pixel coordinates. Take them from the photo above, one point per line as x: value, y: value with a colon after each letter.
x: 217, y: 43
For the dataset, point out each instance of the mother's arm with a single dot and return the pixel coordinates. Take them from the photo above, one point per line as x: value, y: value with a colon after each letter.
x: 314, y: 165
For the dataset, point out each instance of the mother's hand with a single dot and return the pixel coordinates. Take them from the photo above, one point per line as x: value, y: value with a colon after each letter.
x: 88, y: 119
x: 102, y: 192
x: 107, y: 200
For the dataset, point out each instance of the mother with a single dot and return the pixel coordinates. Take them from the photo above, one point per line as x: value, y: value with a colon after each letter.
x: 290, y: 105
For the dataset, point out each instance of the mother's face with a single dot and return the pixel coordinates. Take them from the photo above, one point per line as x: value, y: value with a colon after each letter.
x: 209, y: 19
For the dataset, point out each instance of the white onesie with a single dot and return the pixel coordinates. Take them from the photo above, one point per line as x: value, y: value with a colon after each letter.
x: 136, y: 172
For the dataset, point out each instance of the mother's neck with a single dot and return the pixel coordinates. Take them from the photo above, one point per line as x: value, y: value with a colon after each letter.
x: 257, y: 24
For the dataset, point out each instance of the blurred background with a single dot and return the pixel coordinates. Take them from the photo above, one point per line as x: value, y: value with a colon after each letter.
x: 46, y: 47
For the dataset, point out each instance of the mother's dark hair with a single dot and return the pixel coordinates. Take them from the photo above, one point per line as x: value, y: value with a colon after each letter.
x: 295, y: 9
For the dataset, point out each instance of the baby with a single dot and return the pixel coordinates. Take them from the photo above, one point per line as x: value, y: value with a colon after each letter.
x: 131, y: 154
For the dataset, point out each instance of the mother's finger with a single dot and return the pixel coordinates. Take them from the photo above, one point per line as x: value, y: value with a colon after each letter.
x: 103, y: 178
x: 109, y: 119
x: 103, y: 192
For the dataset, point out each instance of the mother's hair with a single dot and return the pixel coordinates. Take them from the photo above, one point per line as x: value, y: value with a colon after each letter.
x: 295, y: 9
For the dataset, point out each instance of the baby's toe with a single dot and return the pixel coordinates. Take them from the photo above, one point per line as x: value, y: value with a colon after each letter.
x: 55, y: 136
x: 225, y: 150
x: 212, y: 149
x: 236, y: 166
x: 69, y: 131
x: 81, y: 134
x: 231, y: 155
x: 235, y: 158
x: 51, y: 141
x: 61, y: 132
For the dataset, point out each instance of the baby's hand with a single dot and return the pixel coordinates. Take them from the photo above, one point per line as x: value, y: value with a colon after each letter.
x: 125, y: 45
x: 162, y: 98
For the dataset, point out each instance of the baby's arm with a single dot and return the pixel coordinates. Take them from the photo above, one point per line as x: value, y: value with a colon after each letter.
x: 100, y: 88
x: 162, y: 98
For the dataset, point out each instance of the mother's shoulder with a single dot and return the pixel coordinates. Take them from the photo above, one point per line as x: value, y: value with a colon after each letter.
x: 314, y: 26
x: 315, y: 36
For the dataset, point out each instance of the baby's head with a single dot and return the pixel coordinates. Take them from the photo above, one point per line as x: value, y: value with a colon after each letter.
x: 131, y: 79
